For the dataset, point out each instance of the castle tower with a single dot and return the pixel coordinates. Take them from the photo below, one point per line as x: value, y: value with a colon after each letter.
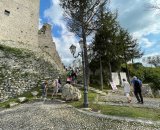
x: 19, y: 21
x: 47, y: 45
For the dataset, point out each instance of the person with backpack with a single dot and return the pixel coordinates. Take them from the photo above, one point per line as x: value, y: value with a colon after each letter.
x: 137, y: 86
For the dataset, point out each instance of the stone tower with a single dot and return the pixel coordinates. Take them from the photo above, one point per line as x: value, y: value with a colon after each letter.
x: 47, y: 45
x: 19, y: 20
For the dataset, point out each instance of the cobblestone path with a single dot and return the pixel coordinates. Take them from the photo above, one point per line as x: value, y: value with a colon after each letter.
x: 53, y: 115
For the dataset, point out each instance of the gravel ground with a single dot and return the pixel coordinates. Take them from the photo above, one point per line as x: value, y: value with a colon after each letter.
x: 52, y: 115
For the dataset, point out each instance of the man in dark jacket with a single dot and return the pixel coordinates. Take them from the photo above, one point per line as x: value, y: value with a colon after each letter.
x: 137, y: 85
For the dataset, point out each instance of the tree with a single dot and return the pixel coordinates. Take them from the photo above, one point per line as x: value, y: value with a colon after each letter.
x: 154, y: 5
x: 81, y: 17
x: 153, y: 60
x: 105, y: 42
x: 130, y: 48
x: 114, y: 44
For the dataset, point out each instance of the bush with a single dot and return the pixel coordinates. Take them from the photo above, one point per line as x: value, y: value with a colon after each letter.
x: 152, y: 75
x: 146, y: 74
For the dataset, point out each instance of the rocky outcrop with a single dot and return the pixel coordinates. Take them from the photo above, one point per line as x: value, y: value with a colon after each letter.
x: 70, y: 93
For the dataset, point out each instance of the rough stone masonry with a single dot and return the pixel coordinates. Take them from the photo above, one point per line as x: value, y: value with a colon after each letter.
x: 19, y: 22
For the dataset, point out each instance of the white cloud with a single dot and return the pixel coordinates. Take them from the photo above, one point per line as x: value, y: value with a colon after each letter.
x: 136, y: 17
x: 40, y: 23
x: 146, y: 43
x: 133, y: 15
x: 54, y: 14
x: 152, y: 54
x: 140, y: 21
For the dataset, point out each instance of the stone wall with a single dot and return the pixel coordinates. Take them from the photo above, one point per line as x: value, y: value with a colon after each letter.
x: 19, y: 21
x: 47, y: 45
x: 21, y: 70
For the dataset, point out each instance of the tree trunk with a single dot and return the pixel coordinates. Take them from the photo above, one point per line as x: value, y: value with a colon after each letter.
x: 85, y: 56
x: 101, y: 74
x: 119, y: 76
x: 110, y: 72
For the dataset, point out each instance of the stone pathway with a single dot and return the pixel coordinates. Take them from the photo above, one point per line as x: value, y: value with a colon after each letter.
x: 118, y: 99
x: 54, y: 115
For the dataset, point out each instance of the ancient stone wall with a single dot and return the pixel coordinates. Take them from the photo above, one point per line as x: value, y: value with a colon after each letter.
x: 21, y: 70
x: 19, y: 21
x: 47, y: 45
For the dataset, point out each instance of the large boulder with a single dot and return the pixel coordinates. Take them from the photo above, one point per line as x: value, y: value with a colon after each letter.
x: 147, y: 91
x: 70, y: 93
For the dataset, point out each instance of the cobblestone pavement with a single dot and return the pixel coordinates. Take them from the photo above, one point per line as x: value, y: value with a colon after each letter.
x: 122, y: 101
x: 118, y: 98
x: 53, y: 115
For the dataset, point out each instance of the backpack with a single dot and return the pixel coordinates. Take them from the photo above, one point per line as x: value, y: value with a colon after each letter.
x: 137, y: 84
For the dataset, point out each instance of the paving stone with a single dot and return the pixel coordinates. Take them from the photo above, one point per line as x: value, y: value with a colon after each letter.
x: 53, y: 115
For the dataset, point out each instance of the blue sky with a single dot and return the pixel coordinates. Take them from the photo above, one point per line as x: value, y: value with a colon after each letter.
x: 142, y: 23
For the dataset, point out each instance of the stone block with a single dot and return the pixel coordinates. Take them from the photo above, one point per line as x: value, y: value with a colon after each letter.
x: 34, y: 93
x: 12, y: 104
x: 22, y: 99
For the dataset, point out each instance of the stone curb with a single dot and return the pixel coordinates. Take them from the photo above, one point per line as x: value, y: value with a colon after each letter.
x: 96, y: 114
x: 126, y: 104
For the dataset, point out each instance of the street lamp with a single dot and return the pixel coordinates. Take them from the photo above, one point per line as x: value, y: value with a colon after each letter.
x: 73, y: 50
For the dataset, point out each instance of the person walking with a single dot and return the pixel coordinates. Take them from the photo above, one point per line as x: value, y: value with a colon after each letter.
x: 126, y: 86
x: 137, y: 86
x: 55, y: 87
x: 59, y: 85
x: 44, y: 89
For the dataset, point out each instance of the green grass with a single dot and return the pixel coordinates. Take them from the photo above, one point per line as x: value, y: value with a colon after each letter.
x: 20, y: 53
x: 122, y: 111
x: 139, y: 113
x: 5, y: 104
x: 79, y: 104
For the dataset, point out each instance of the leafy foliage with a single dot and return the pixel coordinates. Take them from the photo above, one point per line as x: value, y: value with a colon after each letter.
x: 153, y: 60
x: 113, y: 44
x: 81, y: 15
x: 146, y: 74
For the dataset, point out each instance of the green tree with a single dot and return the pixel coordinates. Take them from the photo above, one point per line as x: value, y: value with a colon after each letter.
x: 153, y: 60
x: 105, y: 42
x: 130, y: 48
x: 81, y: 17
x: 114, y: 44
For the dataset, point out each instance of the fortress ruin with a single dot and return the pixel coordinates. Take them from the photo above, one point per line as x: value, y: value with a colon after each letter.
x: 19, y: 22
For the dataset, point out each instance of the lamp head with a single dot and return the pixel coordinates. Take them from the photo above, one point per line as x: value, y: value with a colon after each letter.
x: 72, y: 49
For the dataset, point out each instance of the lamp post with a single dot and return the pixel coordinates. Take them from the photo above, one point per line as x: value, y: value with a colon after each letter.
x: 73, y: 50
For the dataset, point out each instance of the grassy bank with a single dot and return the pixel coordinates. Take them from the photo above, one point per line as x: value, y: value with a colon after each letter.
x: 122, y: 111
